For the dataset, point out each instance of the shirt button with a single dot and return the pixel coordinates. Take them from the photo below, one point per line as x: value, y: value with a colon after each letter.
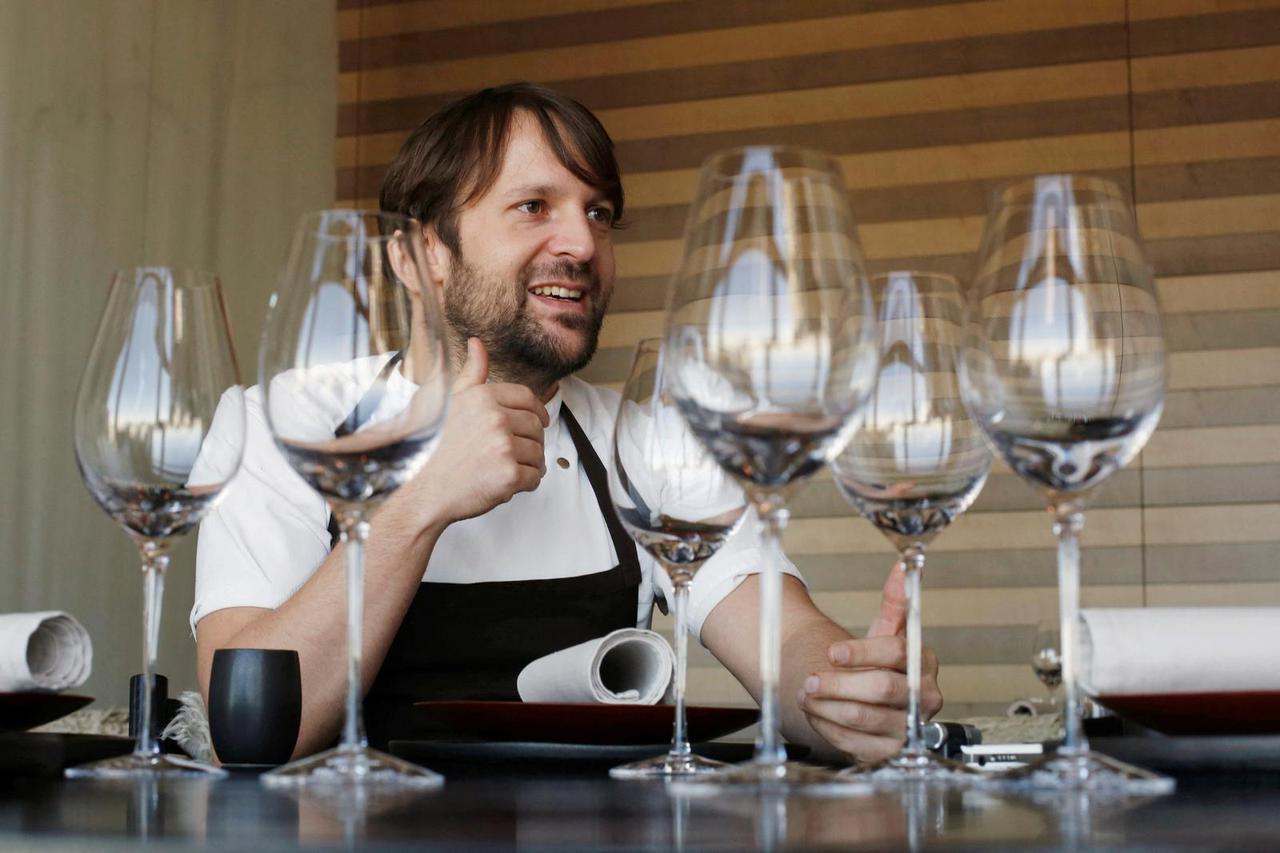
x: 562, y: 462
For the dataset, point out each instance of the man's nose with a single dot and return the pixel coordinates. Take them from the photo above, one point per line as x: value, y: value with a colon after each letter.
x: 573, y: 237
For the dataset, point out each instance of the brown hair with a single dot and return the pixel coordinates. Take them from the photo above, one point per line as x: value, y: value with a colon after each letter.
x: 454, y: 156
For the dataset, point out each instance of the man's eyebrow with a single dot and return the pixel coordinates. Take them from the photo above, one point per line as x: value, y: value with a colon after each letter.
x: 525, y: 191
x: 530, y: 190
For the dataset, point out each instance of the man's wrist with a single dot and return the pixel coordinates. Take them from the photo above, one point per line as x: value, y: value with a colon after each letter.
x: 422, y: 515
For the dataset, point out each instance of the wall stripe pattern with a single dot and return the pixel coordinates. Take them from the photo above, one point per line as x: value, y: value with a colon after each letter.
x: 928, y: 105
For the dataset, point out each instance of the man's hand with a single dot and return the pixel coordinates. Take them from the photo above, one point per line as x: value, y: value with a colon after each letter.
x: 491, y: 447
x: 860, y: 706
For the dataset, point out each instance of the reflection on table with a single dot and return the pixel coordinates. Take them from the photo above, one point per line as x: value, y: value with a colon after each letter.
x: 239, y: 813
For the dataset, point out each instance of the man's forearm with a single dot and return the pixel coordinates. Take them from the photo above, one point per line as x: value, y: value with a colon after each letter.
x: 313, y: 620
x: 731, y: 632
x: 806, y: 639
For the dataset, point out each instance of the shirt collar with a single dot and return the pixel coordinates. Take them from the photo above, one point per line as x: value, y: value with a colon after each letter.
x: 555, y: 403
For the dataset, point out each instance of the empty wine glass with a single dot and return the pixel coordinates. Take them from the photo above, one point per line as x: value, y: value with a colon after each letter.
x: 353, y: 342
x: 1066, y: 377
x: 680, y: 506
x: 161, y: 362
x: 1046, y: 659
x: 914, y: 461
x: 767, y: 348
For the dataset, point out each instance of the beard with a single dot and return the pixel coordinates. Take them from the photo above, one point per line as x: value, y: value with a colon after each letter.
x: 480, y: 305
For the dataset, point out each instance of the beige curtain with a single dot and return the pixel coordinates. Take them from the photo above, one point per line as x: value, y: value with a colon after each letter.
x: 183, y: 132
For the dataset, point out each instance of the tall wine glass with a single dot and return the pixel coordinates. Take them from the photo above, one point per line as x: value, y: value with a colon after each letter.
x: 1066, y: 378
x: 161, y: 362
x: 914, y: 461
x: 355, y: 382
x: 680, y: 506
x: 768, y: 330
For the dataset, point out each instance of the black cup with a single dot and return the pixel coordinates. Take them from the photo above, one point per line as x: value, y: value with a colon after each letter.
x: 255, y: 705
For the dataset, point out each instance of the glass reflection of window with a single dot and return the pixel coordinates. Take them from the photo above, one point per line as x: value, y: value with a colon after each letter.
x: 760, y: 321
x: 902, y: 407
x: 334, y: 321
x: 137, y: 382
x: 1051, y: 324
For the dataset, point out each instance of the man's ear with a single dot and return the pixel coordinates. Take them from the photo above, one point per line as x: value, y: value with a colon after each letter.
x: 438, y: 256
x: 433, y: 261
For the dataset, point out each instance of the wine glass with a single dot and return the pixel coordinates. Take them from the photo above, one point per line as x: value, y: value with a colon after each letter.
x: 1066, y: 378
x: 768, y: 351
x: 1046, y: 659
x: 161, y: 377
x: 914, y: 461
x: 355, y: 382
x: 680, y: 506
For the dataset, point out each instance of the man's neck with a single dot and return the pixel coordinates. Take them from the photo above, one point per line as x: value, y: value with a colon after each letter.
x: 544, y: 389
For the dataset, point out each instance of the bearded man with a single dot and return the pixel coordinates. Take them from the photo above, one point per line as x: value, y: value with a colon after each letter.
x: 505, y: 546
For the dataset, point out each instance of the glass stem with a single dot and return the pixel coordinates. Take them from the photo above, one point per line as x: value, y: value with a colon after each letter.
x: 155, y: 560
x: 680, y: 739
x: 912, y: 567
x: 354, y: 532
x: 1066, y: 527
x: 774, y: 514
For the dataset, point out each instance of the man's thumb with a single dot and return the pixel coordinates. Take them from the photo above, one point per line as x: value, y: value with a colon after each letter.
x: 892, y: 618
x: 476, y: 370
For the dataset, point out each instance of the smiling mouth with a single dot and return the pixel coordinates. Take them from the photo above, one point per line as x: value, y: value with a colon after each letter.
x: 563, y: 294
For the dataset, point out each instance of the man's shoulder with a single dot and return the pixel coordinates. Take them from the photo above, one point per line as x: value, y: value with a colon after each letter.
x: 592, y: 405
x: 319, y: 397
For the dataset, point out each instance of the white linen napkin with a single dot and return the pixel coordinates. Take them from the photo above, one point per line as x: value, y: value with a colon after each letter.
x: 628, y: 666
x: 48, y: 650
x: 1134, y: 651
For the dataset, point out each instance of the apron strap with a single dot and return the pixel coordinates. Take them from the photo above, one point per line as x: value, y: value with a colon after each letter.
x: 623, y: 544
x: 372, y: 398
x: 357, y: 417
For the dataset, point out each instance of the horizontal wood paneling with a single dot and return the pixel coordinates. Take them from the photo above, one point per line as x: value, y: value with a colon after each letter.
x: 929, y: 106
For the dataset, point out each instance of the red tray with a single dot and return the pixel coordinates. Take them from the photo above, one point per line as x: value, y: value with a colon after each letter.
x: 1253, y: 712
x: 553, y: 722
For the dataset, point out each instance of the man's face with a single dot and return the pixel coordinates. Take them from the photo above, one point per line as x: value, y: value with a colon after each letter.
x: 535, y: 268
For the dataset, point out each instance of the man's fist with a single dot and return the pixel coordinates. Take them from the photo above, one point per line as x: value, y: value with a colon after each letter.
x: 859, y: 706
x: 491, y: 446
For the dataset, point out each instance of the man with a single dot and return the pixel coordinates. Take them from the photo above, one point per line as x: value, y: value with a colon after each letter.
x: 504, y: 548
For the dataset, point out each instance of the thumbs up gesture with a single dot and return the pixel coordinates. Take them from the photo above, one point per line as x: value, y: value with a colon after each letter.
x: 475, y: 371
x: 891, y: 621
x: 492, y: 444
x: 859, y: 706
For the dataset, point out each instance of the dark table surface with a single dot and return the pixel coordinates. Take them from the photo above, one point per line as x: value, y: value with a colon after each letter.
x: 489, y: 809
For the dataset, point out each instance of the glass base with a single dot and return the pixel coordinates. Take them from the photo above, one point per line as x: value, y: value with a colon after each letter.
x: 145, y: 766
x: 1085, y: 771
x: 350, y: 766
x: 668, y: 766
x: 768, y: 776
x: 913, y: 768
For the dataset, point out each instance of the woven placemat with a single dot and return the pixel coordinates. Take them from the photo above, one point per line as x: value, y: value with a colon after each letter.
x: 1019, y: 729
x: 91, y: 721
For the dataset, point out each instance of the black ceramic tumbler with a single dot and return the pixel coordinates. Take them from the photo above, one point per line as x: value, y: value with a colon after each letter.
x: 255, y: 705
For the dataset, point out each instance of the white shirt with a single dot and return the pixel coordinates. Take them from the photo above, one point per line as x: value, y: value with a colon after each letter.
x: 270, y: 531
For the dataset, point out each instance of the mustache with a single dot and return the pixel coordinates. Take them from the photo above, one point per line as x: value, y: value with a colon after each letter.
x: 561, y: 270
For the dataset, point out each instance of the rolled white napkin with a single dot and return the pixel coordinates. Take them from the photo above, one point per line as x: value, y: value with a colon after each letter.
x: 628, y: 666
x: 1135, y: 651
x: 48, y: 650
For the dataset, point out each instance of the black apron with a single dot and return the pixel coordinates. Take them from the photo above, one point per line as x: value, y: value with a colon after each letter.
x: 470, y: 640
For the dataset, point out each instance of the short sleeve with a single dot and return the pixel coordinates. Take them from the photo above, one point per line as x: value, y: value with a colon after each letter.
x: 268, y: 532
x: 740, y: 557
x: 689, y: 485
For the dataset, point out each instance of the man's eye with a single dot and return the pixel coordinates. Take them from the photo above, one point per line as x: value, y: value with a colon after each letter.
x: 533, y: 208
x: 603, y: 215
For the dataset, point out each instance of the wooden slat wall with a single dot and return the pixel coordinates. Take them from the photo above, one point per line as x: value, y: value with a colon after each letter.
x: 929, y: 104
